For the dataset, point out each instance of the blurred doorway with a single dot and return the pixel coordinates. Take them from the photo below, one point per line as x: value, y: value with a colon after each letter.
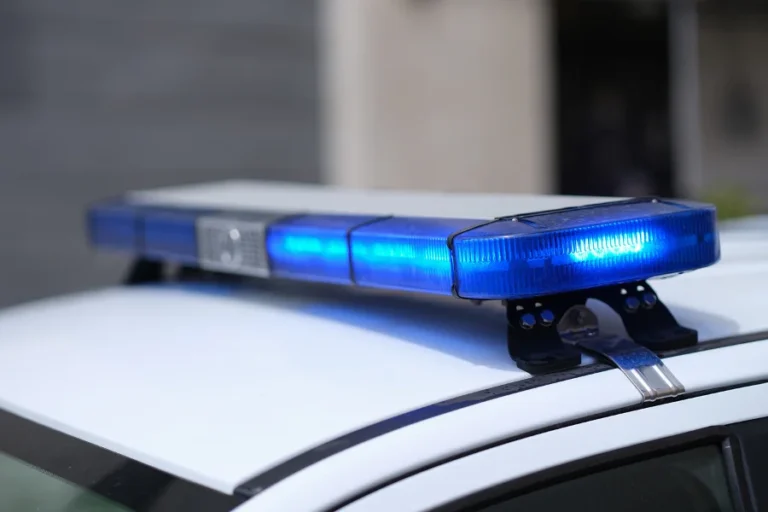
x: 612, y: 96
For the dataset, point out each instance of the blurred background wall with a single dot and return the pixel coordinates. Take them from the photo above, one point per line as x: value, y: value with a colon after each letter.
x: 438, y: 94
x: 734, y: 97
x: 612, y: 97
x: 101, y: 96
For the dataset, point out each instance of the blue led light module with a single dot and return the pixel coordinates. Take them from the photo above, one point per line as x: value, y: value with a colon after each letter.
x: 165, y: 234
x: 114, y: 225
x: 542, y: 254
x: 406, y: 253
x: 313, y: 247
x: 512, y: 257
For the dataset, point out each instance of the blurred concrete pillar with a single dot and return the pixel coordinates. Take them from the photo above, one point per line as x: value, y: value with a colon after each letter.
x: 685, y: 100
x: 445, y: 94
x: 733, y: 42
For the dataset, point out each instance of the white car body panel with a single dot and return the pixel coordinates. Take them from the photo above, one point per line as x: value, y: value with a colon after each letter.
x: 169, y: 369
x: 347, y: 473
x: 743, y: 248
x: 344, y: 361
x: 506, y: 462
x: 755, y: 224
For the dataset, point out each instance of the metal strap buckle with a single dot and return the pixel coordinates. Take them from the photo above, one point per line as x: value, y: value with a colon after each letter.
x: 644, y: 369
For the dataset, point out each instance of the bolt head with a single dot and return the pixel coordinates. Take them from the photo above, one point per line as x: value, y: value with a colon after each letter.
x: 632, y: 304
x: 547, y: 317
x: 649, y: 300
x: 527, y: 321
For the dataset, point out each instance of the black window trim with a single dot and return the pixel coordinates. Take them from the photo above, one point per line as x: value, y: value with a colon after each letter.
x: 721, y: 436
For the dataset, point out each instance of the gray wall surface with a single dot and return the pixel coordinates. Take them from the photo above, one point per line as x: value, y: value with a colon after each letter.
x: 100, y: 96
x: 734, y: 101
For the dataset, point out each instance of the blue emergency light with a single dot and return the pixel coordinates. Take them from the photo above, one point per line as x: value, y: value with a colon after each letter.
x: 520, y: 256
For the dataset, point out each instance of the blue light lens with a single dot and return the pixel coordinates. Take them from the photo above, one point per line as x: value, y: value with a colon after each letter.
x: 406, y: 253
x: 114, y: 225
x: 584, y: 248
x: 312, y: 247
x: 166, y: 234
x: 170, y: 234
x: 532, y: 255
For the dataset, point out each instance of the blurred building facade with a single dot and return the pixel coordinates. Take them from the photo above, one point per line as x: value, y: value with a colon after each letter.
x: 100, y: 96
x: 734, y: 97
x: 437, y: 94
x: 622, y: 97
x: 572, y: 96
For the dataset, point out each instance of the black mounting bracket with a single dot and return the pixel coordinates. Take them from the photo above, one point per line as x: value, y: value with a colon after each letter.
x: 534, y: 341
x: 144, y: 271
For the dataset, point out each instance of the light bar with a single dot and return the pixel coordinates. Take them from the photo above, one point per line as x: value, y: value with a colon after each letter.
x: 512, y: 257
x: 543, y: 254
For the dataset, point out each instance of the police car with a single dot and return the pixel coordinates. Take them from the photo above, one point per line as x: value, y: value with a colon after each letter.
x: 284, y: 347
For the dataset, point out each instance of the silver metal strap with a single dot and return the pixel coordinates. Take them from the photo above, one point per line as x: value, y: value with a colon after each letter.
x: 644, y: 369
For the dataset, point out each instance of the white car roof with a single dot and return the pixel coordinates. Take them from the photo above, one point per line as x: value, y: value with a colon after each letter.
x: 755, y: 224
x: 217, y: 383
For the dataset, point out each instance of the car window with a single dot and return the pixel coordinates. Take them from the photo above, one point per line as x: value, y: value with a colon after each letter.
x: 45, y: 470
x: 26, y: 487
x: 691, y: 481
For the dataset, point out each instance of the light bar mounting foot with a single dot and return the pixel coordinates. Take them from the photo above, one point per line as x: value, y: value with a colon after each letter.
x: 535, y: 343
x: 144, y: 271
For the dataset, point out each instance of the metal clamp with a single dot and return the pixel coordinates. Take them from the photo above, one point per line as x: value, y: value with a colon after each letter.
x: 642, y: 367
x: 537, y: 347
x: 532, y: 338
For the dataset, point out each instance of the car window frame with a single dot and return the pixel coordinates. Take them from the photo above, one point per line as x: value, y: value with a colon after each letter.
x: 722, y: 437
x: 722, y: 427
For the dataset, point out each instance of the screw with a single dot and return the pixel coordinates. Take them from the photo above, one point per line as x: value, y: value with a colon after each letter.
x: 649, y: 300
x: 527, y: 321
x: 547, y: 317
x: 632, y: 304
